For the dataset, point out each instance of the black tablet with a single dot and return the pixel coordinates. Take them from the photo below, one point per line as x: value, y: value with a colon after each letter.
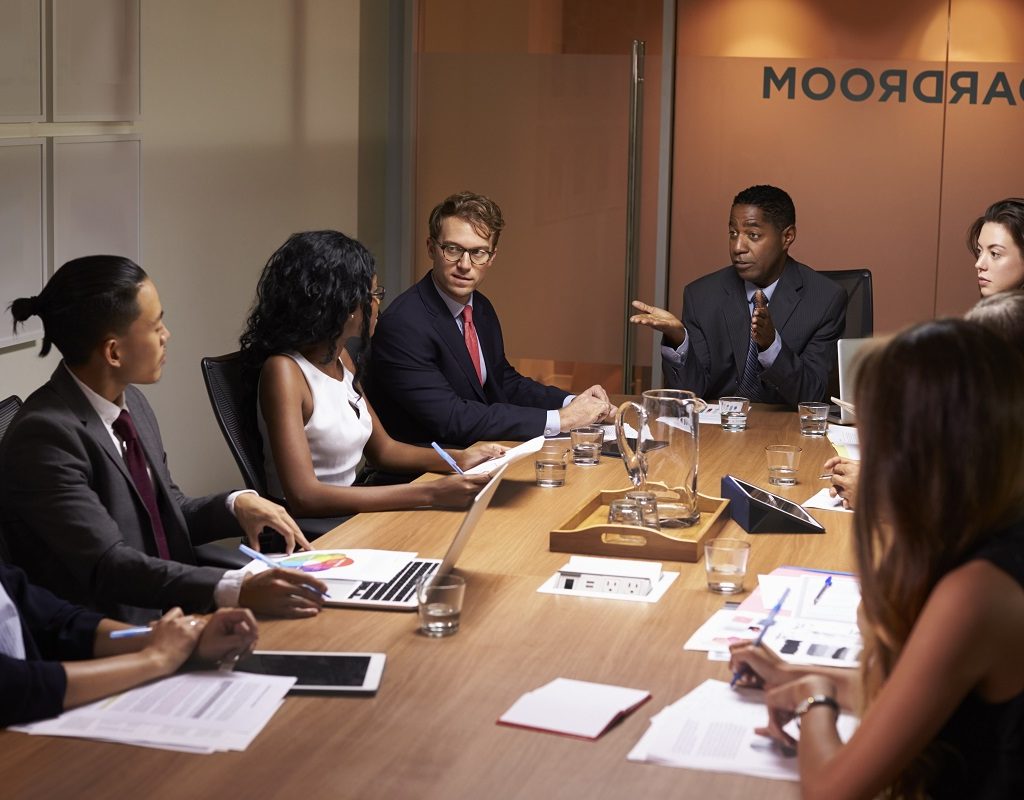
x: 348, y: 673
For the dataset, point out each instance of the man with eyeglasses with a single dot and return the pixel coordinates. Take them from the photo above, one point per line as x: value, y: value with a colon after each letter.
x: 439, y: 371
x: 765, y: 327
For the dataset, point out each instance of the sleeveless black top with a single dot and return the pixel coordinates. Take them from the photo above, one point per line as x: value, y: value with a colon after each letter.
x: 981, y: 747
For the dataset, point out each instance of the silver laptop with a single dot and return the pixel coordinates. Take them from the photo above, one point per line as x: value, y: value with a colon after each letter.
x: 399, y: 594
x: 848, y: 364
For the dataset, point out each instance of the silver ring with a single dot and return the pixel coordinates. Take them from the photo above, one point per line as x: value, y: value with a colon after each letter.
x: 192, y: 623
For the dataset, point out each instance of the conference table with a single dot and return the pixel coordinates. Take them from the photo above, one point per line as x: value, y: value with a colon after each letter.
x: 430, y: 731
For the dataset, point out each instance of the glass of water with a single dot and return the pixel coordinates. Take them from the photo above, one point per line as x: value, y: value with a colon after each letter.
x: 813, y: 419
x: 725, y: 561
x: 734, y: 412
x: 440, y: 604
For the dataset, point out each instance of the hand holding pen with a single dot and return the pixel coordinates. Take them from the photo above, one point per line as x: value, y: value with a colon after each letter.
x: 743, y: 666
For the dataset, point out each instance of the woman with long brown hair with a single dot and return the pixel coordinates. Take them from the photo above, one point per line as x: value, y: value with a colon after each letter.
x: 939, y: 540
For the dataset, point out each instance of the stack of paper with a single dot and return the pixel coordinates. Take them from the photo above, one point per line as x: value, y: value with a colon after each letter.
x: 197, y: 712
x: 845, y: 441
x: 573, y: 708
x: 712, y: 728
x: 817, y: 625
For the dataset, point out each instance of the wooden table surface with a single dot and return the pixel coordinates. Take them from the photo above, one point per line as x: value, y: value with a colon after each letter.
x: 430, y: 731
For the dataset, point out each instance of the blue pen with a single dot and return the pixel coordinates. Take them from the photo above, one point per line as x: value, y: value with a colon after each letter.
x: 766, y: 623
x: 131, y: 633
x: 271, y: 563
x: 447, y: 458
x: 828, y: 582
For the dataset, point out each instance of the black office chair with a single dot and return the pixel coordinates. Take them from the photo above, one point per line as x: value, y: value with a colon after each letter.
x: 860, y: 311
x: 235, y: 411
x: 8, y: 408
x: 860, y: 308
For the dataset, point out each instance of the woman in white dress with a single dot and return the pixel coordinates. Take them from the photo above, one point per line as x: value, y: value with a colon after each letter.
x: 316, y: 293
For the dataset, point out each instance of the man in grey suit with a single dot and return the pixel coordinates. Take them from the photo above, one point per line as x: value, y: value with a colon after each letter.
x: 764, y: 327
x: 87, y: 502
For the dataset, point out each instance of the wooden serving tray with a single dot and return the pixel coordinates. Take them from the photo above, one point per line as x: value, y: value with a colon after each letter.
x: 588, y: 532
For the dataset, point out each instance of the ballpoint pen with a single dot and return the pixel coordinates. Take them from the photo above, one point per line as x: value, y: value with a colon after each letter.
x: 131, y: 633
x: 447, y: 458
x: 766, y: 623
x: 140, y: 630
x: 256, y: 554
x: 828, y: 582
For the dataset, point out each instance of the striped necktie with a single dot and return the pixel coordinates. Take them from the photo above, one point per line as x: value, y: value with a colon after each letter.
x: 750, y: 383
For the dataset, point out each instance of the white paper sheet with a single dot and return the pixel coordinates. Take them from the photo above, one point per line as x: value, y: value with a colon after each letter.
x: 347, y: 564
x: 712, y: 728
x: 822, y: 499
x: 200, y: 712
x: 512, y: 454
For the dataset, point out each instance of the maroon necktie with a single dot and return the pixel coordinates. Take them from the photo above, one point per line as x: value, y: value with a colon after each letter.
x: 472, y: 343
x: 136, y: 461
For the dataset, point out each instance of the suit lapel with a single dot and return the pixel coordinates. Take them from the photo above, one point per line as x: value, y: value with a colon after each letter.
x: 448, y: 330
x: 786, y: 296
x: 66, y: 387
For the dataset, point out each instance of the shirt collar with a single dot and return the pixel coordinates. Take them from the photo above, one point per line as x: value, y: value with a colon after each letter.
x: 107, y: 412
x: 454, y: 306
x: 768, y: 290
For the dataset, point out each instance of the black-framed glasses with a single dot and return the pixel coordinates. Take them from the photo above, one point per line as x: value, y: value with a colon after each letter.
x: 378, y: 293
x: 453, y: 253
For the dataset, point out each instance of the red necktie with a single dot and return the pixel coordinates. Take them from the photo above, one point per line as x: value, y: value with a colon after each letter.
x: 472, y: 343
x: 136, y: 461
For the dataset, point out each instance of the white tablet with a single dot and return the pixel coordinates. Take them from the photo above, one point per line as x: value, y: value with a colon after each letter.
x: 346, y: 673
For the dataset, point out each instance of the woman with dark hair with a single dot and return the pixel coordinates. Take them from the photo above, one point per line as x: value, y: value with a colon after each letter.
x: 88, y: 505
x: 317, y: 293
x: 996, y: 239
x: 939, y: 540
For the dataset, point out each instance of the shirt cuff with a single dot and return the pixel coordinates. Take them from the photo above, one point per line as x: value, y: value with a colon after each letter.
x: 230, y: 500
x: 229, y: 587
x: 553, y: 423
x: 678, y: 354
x: 767, y: 358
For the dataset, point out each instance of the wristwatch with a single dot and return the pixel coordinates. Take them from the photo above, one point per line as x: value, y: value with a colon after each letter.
x: 815, y: 700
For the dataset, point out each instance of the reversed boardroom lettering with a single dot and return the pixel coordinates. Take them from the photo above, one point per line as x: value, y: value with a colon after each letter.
x: 860, y: 84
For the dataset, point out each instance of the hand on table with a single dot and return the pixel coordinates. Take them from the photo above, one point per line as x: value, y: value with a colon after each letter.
x: 845, y: 474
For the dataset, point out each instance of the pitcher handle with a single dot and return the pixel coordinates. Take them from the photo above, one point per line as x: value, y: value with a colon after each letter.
x: 634, y: 460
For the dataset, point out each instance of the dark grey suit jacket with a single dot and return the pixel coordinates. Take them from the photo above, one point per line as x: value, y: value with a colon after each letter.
x: 423, y: 386
x: 808, y: 311
x: 76, y: 523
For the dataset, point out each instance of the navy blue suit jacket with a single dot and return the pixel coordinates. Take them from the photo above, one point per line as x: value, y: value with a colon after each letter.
x: 423, y: 386
x: 808, y: 311
x: 53, y: 631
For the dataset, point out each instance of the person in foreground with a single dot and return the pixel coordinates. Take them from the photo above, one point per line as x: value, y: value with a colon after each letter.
x: 439, y: 370
x: 56, y: 656
x: 317, y: 292
x: 939, y: 541
x: 764, y: 328
x: 996, y: 240
x: 87, y: 502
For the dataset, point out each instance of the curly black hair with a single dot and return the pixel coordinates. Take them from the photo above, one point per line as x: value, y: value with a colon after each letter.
x: 307, y: 291
x: 776, y: 205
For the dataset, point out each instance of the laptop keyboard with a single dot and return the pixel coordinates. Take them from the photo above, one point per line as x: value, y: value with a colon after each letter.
x: 400, y: 588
